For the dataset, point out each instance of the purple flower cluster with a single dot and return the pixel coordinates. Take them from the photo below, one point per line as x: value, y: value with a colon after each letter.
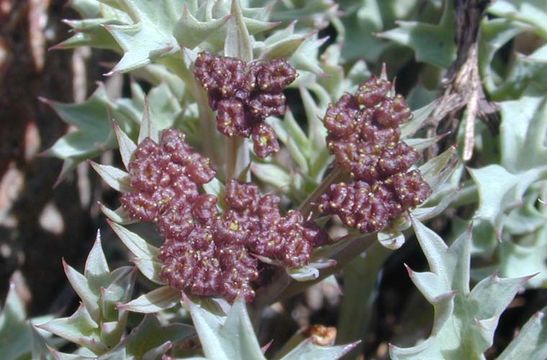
x: 208, y: 252
x: 244, y: 95
x: 164, y: 176
x: 364, y: 136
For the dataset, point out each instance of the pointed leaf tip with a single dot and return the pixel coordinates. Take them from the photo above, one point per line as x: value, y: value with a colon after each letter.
x: 409, y: 271
x: 114, y: 177
x: 96, y: 264
x: 126, y: 145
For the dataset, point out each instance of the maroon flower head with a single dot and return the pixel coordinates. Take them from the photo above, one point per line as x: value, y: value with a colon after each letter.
x: 163, y: 174
x: 364, y: 136
x: 372, y: 92
x: 209, y: 252
x: 244, y: 95
x: 275, y: 75
x: 241, y: 196
x: 264, y: 139
x: 411, y: 189
x: 286, y: 239
x: 231, y: 118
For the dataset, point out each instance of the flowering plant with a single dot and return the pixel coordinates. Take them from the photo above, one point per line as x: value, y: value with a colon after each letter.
x: 265, y: 160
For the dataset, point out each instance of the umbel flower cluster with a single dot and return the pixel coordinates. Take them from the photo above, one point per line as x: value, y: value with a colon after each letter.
x: 209, y: 252
x: 244, y: 95
x: 364, y: 136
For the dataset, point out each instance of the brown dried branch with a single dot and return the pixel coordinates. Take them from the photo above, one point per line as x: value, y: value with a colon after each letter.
x: 463, y: 89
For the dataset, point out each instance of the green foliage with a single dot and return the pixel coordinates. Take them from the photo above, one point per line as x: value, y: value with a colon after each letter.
x: 465, y: 320
x: 97, y: 324
x: 502, y: 192
x: 432, y: 44
x: 19, y: 338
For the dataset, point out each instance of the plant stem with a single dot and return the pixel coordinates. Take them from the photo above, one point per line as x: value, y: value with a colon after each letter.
x: 237, y: 159
x: 361, y: 278
x: 206, y: 114
x: 343, y: 251
x: 207, y: 127
x: 356, y: 245
x: 307, y: 205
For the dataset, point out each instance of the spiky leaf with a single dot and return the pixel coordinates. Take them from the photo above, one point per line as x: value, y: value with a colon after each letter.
x: 225, y: 336
x: 432, y: 44
x: 465, y: 320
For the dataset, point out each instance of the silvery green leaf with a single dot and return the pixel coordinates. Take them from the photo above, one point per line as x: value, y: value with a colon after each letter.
x: 526, y: 71
x: 307, y: 13
x: 117, y: 179
x: 190, y: 32
x: 420, y: 144
x: 149, y: 128
x: 306, y: 58
x: 90, y: 32
x: 15, y: 335
x: 39, y: 344
x: 531, y: 342
x: 156, y: 352
x: 303, y: 273
x: 523, y: 160
x: 314, y: 114
x: 528, y: 218
x: 126, y: 145
x: 57, y: 355
x: 465, y: 320
x: 425, y: 213
x: 295, y: 131
x: 148, y: 336
x: 78, y: 328
x: 308, y: 350
x: 439, y: 169
x: 496, y: 188
x: 119, y: 290
x: 137, y: 92
x: 522, y: 134
x: 111, y: 332
x: 498, y: 292
x: 238, y: 41
x: 288, y: 131
x: 283, y: 43
x: 526, y: 257
x: 96, y: 265
x: 151, y: 269
x: 86, y: 8
x: 164, y: 106
x: 162, y: 298
x: 362, y: 277
x: 157, y: 74
x: 298, y: 156
x: 119, y: 215
x: 427, y: 350
x: 136, y: 244
x: 433, y: 287
x: 149, y: 36
x: 94, y: 131
x: 214, y: 187
x: 225, y: 337
x: 419, y: 116
x: 364, y: 19
x: 432, y: 44
x: 391, y: 240
x: 88, y: 295
x: 272, y: 174
x: 442, y: 263
x: 531, y: 12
